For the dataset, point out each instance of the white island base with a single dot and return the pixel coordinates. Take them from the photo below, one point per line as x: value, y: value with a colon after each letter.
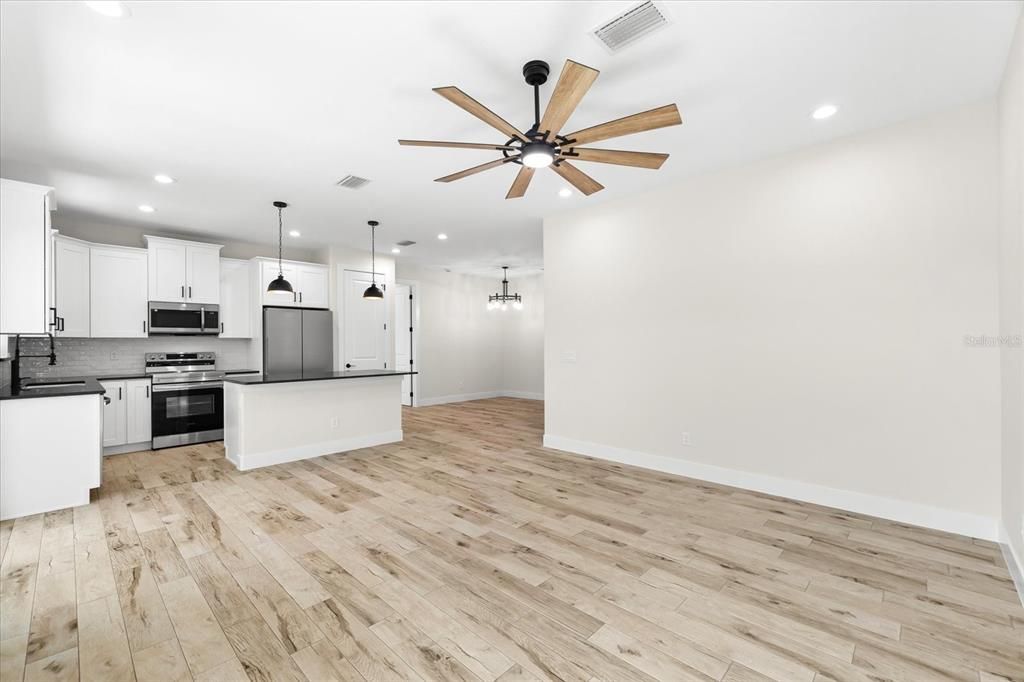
x: 271, y: 422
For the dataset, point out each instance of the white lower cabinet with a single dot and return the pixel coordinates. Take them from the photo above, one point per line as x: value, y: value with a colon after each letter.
x: 127, y: 417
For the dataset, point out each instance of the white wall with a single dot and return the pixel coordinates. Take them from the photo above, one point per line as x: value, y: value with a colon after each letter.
x: 803, y: 318
x: 523, y: 340
x: 467, y: 352
x: 1011, y: 293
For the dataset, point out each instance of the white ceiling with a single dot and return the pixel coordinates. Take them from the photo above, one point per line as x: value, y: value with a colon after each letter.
x: 247, y: 102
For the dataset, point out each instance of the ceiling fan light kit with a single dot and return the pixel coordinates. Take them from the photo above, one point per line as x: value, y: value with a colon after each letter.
x: 541, y: 145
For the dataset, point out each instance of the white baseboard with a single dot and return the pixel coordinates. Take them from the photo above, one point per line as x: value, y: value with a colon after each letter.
x: 1014, y: 562
x: 264, y: 459
x: 463, y: 397
x: 913, y: 513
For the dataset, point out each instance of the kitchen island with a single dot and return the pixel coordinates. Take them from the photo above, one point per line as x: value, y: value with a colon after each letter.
x: 275, y: 418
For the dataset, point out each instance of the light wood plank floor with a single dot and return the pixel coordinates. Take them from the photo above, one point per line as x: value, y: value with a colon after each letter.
x: 469, y: 552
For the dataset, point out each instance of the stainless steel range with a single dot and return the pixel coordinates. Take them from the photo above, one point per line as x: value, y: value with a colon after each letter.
x: 188, y: 398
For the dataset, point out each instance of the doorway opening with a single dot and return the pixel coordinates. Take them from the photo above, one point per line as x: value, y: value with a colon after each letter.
x: 406, y: 337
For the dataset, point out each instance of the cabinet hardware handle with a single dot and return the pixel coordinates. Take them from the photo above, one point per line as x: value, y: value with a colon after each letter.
x: 143, y: 326
x: 183, y: 291
x: 61, y: 322
x: 300, y: 297
x: 190, y: 292
x: 118, y: 392
x: 147, y: 391
x: 221, y: 327
x: 54, y: 323
x: 295, y: 297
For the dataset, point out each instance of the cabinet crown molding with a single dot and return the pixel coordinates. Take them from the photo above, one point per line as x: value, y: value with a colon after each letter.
x: 173, y: 240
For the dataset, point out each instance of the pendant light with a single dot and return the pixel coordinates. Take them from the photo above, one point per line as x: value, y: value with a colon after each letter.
x: 501, y: 301
x: 373, y: 291
x: 280, y: 285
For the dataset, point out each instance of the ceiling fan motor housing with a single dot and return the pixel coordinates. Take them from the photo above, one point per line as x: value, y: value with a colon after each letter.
x: 536, y: 72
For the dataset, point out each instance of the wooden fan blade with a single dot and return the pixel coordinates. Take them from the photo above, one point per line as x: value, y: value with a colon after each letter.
x: 573, y: 84
x: 521, y: 182
x: 474, y: 170
x: 461, y: 99
x: 661, y: 117
x: 637, y: 159
x: 577, y: 178
x: 457, y: 145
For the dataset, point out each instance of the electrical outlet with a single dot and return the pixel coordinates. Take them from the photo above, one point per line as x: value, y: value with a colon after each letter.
x: 334, y: 422
x: 685, y: 439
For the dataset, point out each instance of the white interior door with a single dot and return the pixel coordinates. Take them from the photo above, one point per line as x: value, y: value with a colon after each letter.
x: 403, y: 337
x: 364, y: 325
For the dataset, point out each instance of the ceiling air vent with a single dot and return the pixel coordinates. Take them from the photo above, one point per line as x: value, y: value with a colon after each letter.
x: 405, y: 242
x: 352, y: 182
x: 631, y: 25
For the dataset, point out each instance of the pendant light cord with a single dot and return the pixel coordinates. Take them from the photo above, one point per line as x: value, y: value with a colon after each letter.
x: 373, y: 253
x: 280, y: 241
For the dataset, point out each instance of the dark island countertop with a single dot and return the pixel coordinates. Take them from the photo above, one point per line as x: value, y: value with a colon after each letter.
x: 291, y: 377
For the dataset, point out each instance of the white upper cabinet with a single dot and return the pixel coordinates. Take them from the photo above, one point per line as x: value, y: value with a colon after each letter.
x: 310, y: 284
x: 118, y: 286
x: 313, y: 285
x: 236, y: 308
x: 71, y: 285
x: 25, y: 258
x: 181, y: 271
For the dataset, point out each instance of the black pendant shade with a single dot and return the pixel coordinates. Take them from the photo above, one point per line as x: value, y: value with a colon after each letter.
x: 373, y: 292
x: 280, y: 285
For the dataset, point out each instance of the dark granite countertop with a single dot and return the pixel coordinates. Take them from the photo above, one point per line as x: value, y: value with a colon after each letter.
x: 292, y: 377
x: 82, y: 386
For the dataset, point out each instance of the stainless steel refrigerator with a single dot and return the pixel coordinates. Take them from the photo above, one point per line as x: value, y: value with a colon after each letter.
x: 297, y: 340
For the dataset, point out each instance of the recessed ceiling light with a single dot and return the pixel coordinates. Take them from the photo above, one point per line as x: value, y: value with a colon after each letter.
x: 109, y: 8
x: 146, y: 208
x: 163, y: 179
x: 294, y: 233
x: 396, y: 250
x: 824, y: 111
x: 442, y: 236
x: 565, y: 192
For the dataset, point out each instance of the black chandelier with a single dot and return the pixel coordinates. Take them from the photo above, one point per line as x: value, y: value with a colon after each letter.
x: 501, y: 301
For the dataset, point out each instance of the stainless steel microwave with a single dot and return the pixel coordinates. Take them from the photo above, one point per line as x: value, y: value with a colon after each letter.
x: 183, y: 318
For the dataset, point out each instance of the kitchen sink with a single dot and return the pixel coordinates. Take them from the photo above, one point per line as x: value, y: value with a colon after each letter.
x: 55, y: 384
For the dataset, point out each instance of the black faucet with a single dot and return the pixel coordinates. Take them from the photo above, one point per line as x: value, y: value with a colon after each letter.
x: 16, y: 360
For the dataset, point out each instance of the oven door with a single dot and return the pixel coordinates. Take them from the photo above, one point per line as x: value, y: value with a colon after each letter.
x: 187, y: 413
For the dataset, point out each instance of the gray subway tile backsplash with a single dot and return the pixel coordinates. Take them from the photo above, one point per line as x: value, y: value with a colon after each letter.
x: 77, y: 357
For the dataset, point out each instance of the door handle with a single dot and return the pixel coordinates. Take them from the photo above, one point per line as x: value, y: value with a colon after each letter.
x: 349, y: 365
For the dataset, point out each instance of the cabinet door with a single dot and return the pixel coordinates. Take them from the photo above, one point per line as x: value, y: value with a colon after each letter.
x: 235, y: 299
x: 24, y: 251
x: 313, y: 286
x: 138, y: 411
x: 71, y: 287
x: 118, y: 303
x: 268, y: 273
x: 202, y: 274
x: 115, y: 414
x: 167, y: 271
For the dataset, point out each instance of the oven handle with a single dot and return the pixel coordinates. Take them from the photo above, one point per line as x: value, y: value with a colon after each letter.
x: 164, y: 388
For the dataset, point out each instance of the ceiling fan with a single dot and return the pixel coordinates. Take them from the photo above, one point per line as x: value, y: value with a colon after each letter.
x: 542, y: 144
